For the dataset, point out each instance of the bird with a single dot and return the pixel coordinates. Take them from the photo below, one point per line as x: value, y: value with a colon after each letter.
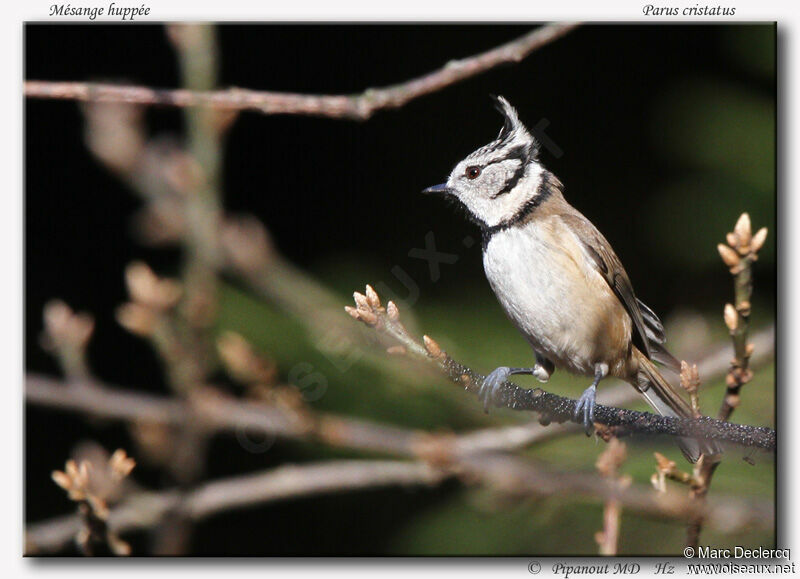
x: 559, y: 280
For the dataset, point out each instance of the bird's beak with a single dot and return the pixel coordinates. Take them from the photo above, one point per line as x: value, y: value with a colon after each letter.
x: 441, y: 189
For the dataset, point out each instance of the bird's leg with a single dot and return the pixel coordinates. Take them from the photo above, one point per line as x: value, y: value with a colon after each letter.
x: 586, y: 403
x: 544, y: 368
x: 541, y: 371
x: 495, y: 378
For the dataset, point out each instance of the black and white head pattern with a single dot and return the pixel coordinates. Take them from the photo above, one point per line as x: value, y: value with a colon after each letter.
x: 497, y: 180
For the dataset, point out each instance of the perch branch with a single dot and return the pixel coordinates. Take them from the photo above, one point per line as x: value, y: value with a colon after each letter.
x: 553, y: 407
x: 355, y: 107
x: 714, y: 364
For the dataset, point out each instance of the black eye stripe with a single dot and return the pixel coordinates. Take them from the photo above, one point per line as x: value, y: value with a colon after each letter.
x: 512, y: 181
x: 519, y: 153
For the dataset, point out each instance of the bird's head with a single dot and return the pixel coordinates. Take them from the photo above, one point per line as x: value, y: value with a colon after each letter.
x: 495, y: 181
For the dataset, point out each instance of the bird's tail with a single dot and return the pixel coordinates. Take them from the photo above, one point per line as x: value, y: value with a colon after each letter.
x: 665, y: 400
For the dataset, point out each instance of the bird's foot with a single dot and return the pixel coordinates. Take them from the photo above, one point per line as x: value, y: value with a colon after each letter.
x: 499, y: 375
x: 584, y: 409
x: 490, y: 385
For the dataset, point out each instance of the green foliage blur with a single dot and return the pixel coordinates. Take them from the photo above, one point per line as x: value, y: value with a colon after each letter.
x: 723, y: 135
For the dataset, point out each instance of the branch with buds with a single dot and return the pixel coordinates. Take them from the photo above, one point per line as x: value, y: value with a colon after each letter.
x: 145, y: 510
x: 66, y: 335
x: 739, y: 255
x: 551, y: 407
x: 91, y: 488
x: 151, y: 314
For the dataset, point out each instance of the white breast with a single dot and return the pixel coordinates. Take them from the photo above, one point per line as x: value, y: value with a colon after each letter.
x: 552, y: 294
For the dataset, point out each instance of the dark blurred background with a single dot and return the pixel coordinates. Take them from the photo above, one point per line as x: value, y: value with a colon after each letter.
x: 667, y: 134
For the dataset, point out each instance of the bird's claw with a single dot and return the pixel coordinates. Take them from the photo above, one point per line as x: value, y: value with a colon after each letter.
x: 584, y: 409
x: 490, y: 385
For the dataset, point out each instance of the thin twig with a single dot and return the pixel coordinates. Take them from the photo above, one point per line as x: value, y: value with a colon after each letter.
x: 196, y: 48
x: 737, y: 316
x: 739, y: 255
x: 608, y: 464
x: 355, y: 107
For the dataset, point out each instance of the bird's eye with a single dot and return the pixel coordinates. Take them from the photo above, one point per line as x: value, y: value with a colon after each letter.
x: 473, y: 172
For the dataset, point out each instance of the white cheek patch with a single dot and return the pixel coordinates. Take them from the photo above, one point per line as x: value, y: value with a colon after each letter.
x: 502, y: 208
x: 495, y: 179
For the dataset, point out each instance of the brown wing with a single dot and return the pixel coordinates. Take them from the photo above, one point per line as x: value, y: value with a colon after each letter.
x: 610, y: 267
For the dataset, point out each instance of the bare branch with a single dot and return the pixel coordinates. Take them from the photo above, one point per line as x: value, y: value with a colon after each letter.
x: 228, y: 414
x: 96, y: 400
x: 466, y: 453
x: 355, y: 107
x: 516, y: 476
x: 145, y: 510
x: 506, y: 474
x: 291, y: 481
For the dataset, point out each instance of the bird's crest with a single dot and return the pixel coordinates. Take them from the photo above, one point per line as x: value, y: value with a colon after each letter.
x: 514, y: 133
